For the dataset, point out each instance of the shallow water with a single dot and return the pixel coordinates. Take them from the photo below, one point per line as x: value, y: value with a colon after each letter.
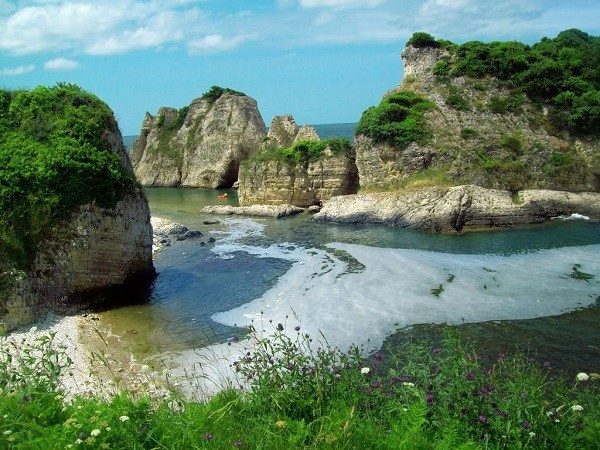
x: 360, y: 284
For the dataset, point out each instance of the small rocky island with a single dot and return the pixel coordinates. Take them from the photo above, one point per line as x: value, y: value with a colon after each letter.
x: 75, y: 225
x: 200, y: 145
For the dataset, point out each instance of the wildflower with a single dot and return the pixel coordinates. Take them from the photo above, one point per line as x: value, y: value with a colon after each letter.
x: 7, y: 432
x: 238, y: 443
x: 435, y: 351
x: 408, y: 383
x: 393, y: 380
x: 378, y: 356
x: 482, y: 419
x: 429, y: 398
x: 79, y: 441
x: 235, y: 339
x: 577, y: 408
x: 297, y: 328
x: 124, y: 418
x: 108, y: 428
x: 279, y: 328
x: 145, y: 368
x: 523, y: 395
x: 582, y: 376
x: 33, y: 329
x: 531, y: 434
x: 436, y: 370
x: 368, y: 390
x: 208, y: 436
x: 546, y: 364
x: 526, y: 425
x: 365, y: 370
x: 469, y: 376
x: 579, y: 426
x: 95, y: 432
x: 280, y: 424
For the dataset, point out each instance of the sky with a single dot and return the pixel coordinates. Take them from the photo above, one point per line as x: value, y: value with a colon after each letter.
x: 323, y: 61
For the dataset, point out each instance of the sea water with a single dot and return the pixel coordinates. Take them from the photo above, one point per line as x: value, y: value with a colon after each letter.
x: 536, y: 288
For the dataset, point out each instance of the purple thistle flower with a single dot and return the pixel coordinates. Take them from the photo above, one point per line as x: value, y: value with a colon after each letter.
x: 235, y: 338
x: 393, y: 380
x: 368, y: 390
x: 238, y: 443
x: 469, y: 376
x: 546, y: 365
x: 436, y: 370
x: 376, y: 385
x: 526, y: 425
x: 378, y: 356
x: 404, y: 379
x: 482, y: 419
x: 208, y: 436
x: 429, y: 398
x: 297, y: 328
x: 579, y: 426
x: 435, y: 351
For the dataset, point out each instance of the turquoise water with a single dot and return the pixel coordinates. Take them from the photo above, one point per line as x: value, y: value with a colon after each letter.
x: 361, y: 284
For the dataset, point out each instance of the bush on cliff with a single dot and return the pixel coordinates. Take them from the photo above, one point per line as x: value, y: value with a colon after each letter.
x: 54, y: 157
x: 398, y: 120
x: 305, y: 151
x: 215, y: 93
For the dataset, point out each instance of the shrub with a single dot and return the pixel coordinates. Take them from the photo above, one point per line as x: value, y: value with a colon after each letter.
x: 457, y: 102
x: 441, y: 69
x: 54, y: 157
x: 215, y: 92
x: 468, y: 133
x: 421, y: 39
x: 398, y: 120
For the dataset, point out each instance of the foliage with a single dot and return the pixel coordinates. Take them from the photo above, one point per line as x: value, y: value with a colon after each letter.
x: 305, y: 151
x: 215, y: 92
x: 457, y: 101
x: 421, y: 39
x: 54, y: 157
x: 468, y: 133
x: 305, y: 394
x: 398, y: 120
x: 441, y: 69
x: 563, y: 72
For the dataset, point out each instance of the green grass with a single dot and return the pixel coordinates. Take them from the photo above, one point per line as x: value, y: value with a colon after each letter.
x: 303, y: 151
x: 306, y: 396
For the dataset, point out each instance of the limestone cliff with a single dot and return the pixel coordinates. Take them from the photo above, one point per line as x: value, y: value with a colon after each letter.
x: 95, y: 251
x: 201, y: 145
x: 478, y: 131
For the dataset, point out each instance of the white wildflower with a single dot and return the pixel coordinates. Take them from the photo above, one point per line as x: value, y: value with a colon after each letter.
x: 7, y: 432
x: 124, y: 418
x: 95, y: 432
x: 408, y: 383
x: 33, y: 329
x: 531, y: 434
x: 365, y: 370
x: 79, y: 441
x: 582, y: 376
x: 145, y: 368
x: 577, y: 408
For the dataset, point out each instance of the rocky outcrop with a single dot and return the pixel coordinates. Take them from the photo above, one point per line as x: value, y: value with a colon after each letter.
x: 478, y: 132
x: 282, y: 131
x: 198, y: 146
x: 307, y: 133
x: 279, y: 182
x: 460, y: 208
x: 276, y: 211
x: 86, y: 259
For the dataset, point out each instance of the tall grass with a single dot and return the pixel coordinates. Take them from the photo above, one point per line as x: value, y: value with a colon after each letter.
x: 304, y: 394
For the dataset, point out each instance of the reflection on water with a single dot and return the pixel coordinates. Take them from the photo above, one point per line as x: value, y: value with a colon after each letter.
x: 286, y: 264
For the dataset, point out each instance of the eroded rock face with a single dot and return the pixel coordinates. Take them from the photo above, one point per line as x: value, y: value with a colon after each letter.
x: 472, y: 141
x: 198, y: 147
x: 459, y: 208
x: 282, y: 131
x: 96, y: 251
x: 277, y: 182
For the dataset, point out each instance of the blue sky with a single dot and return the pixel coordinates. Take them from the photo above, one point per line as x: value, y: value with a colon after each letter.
x: 323, y: 61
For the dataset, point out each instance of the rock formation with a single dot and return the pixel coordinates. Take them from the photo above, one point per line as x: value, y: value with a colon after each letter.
x: 478, y: 132
x: 460, y: 208
x: 276, y: 211
x: 96, y: 252
x: 198, y: 146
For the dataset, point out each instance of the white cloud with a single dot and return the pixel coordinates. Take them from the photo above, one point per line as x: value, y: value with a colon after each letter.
x: 323, y: 18
x: 20, y: 70
x: 341, y: 4
x: 61, y: 64
x: 214, y: 43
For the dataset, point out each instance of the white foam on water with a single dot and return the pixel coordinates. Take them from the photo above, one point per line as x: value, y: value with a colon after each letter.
x: 397, y: 288
x: 574, y: 216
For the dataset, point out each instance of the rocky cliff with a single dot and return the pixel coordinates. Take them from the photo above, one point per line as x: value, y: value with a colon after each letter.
x: 472, y: 129
x: 94, y: 251
x: 295, y: 167
x: 201, y: 145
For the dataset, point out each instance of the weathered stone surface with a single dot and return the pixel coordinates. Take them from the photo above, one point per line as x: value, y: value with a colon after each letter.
x: 475, y: 144
x: 97, y: 250
x: 201, y: 149
x: 307, y: 133
x: 277, y: 182
x: 276, y: 211
x: 459, y: 208
x: 282, y: 131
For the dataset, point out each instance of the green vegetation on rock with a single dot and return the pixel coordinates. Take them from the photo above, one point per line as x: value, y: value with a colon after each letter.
x: 54, y: 157
x: 398, y: 120
x: 215, y: 92
x: 563, y: 72
x: 305, y: 151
